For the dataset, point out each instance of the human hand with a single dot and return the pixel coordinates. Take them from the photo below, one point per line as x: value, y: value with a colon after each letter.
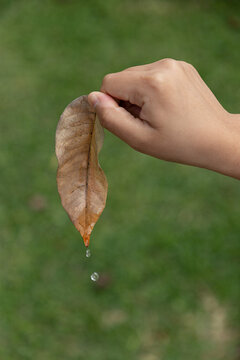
x: 165, y: 109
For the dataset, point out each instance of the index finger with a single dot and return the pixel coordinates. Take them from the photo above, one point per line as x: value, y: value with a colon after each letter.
x: 125, y: 85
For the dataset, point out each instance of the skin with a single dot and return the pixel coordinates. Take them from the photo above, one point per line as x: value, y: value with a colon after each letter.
x: 166, y: 110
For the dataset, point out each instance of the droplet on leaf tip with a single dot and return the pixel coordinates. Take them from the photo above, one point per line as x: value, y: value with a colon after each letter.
x: 88, y: 253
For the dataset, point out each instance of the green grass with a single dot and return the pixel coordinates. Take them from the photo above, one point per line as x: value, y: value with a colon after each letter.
x: 168, y: 241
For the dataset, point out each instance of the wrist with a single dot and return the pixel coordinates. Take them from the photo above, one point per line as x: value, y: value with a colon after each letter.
x: 225, y: 147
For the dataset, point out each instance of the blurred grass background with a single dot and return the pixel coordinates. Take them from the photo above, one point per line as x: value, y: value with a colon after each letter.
x: 167, y: 244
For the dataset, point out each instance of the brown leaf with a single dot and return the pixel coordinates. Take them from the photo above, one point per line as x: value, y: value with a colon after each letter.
x: 82, y: 184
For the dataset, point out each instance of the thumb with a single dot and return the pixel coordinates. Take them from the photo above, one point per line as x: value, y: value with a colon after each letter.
x: 99, y: 99
x: 117, y: 120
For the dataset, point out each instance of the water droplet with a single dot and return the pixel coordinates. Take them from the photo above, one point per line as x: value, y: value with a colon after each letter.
x: 94, y: 276
x: 88, y: 253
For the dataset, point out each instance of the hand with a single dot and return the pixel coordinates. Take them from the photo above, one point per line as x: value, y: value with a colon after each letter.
x: 165, y: 109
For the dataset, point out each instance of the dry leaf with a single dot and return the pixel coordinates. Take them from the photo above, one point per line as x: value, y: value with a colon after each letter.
x: 82, y: 184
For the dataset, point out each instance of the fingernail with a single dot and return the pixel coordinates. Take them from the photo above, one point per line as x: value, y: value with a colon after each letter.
x: 93, y: 100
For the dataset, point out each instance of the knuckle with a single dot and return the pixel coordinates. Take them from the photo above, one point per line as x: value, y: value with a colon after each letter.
x: 156, y: 80
x: 187, y: 66
x: 160, y: 78
x: 153, y: 78
x: 169, y: 63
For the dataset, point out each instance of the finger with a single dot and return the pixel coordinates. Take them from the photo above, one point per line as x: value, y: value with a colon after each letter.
x: 119, y: 121
x: 144, y: 67
x: 147, y: 67
x: 132, y: 109
x: 139, y: 68
x: 125, y: 85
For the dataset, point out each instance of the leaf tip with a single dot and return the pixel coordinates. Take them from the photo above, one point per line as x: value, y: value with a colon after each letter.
x: 86, y: 239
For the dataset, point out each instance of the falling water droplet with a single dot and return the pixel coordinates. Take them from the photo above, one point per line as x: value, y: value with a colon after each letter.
x: 88, y: 253
x: 94, y: 276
